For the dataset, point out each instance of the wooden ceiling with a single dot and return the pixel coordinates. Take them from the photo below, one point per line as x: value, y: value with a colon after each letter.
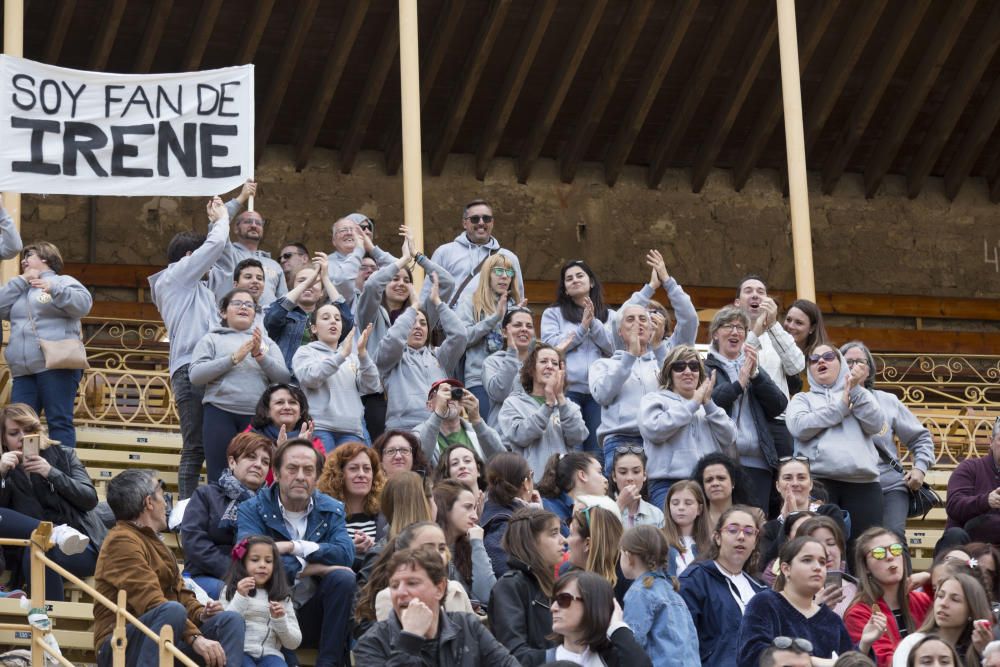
x: 906, y: 87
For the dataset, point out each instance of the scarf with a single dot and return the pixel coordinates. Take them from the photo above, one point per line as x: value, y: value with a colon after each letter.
x: 271, y: 432
x: 234, y: 490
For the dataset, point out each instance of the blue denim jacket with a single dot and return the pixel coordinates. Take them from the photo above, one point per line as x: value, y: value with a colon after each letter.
x: 661, y: 622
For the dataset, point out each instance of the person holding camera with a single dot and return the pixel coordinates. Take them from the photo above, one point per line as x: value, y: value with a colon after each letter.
x: 455, y: 420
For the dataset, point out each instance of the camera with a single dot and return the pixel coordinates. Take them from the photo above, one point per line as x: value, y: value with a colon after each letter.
x: 457, y: 393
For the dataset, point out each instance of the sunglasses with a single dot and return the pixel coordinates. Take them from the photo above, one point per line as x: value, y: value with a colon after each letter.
x: 794, y: 457
x: 629, y: 449
x: 365, y: 227
x: 826, y: 356
x: 474, y: 219
x: 785, y: 643
x: 500, y: 271
x: 880, y: 553
x: 564, y: 600
x: 289, y: 255
x: 735, y: 529
x: 679, y: 366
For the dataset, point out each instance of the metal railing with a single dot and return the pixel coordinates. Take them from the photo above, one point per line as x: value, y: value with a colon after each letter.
x: 40, y: 543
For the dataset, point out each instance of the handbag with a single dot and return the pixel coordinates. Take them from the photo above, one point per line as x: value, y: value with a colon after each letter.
x: 923, y: 500
x: 65, y: 353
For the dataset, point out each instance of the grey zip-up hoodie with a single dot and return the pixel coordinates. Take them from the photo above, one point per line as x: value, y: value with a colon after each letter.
x: 500, y: 371
x: 479, y: 340
x: 461, y: 257
x: 55, y: 317
x: 344, y: 269
x: 538, y: 431
x: 236, y: 388
x: 619, y: 383
x: 334, y: 385
x: 677, y: 431
x: 914, y: 436
x: 838, y: 438
x: 187, y: 303
x: 408, y: 373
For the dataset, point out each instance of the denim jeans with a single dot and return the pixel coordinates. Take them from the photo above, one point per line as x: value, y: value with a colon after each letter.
x: 332, y: 439
x: 613, y: 441
x: 210, y: 585
x: 591, y: 410
x: 263, y: 661
x: 658, y: 490
x: 895, y: 505
x: 479, y: 391
x: 325, y: 620
x: 218, y: 429
x: 54, y: 393
x: 226, y: 627
x: 19, y: 526
x: 187, y: 398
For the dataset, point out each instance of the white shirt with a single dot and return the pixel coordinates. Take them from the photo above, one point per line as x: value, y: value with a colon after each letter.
x: 740, y: 587
x: 296, y: 523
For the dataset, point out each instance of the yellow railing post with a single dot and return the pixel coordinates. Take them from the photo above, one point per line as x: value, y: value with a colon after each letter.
x: 166, y: 639
x: 39, y: 545
x: 119, y: 641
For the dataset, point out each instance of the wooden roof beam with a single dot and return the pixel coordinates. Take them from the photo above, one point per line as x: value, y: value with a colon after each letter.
x: 757, y: 49
x: 152, y: 36
x: 101, y: 51
x: 584, y: 30
x: 973, y: 142
x: 254, y: 32
x: 903, y: 30
x: 472, y: 71
x: 444, y: 30
x: 727, y: 19
x: 520, y: 65
x: 275, y: 95
x: 969, y: 75
x: 905, y: 112
x: 336, y: 63
x: 58, y: 30
x: 385, y: 57
x: 770, y: 113
x: 207, y: 17
x: 648, y: 88
x: 600, y: 95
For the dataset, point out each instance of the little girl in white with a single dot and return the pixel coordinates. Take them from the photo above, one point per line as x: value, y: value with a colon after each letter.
x: 257, y: 588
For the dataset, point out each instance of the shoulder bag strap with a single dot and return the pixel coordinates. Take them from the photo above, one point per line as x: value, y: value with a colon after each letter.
x: 475, y: 272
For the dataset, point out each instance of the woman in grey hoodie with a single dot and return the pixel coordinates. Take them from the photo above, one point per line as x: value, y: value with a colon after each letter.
x: 681, y: 423
x: 235, y: 363
x: 335, y: 379
x: 408, y: 364
x: 834, y: 425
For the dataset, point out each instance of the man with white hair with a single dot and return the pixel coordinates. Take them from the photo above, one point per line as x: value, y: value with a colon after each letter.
x: 991, y: 654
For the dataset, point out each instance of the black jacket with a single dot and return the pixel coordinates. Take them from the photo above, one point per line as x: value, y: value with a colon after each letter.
x: 622, y: 651
x: 462, y: 641
x: 765, y: 400
x: 67, y: 496
x: 520, y: 616
x: 494, y: 522
x: 207, y: 545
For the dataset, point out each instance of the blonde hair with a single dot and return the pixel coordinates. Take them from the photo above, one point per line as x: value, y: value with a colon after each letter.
x: 484, y: 302
x: 405, y: 500
x: 25, y: 416
x: 604, y: 529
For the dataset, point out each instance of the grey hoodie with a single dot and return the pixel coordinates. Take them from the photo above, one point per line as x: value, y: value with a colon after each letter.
x: 10, y: 239
x: 500, y: 371
x: 677, y: 431
x: 484, y: 438
x: 334, y: 385
x: 479, y: 340
x: 236, y: 388
x: 538, y: 431
x: 838, y: 438
x: 914, y: 436
x: 344, y: 269
x: 618, y: 384
x: 461, y: 258
x: 408, y: 373
x: 54, y: 318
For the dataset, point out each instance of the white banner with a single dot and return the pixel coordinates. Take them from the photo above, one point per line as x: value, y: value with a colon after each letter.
x: 65, y: 131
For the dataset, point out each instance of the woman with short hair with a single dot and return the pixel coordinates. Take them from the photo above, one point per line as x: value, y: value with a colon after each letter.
x: 399, y: 451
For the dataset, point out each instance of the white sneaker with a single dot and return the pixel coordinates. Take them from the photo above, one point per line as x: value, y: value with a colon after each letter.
x: 69, y: 540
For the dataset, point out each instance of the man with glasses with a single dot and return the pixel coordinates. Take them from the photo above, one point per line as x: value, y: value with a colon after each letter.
x: 352, y: 238
x: 447, y: 401
x: 292, y: 258
x: 464, y: 257
x: 134, y: 558
x: 974, y: 494
x: 787, y: 652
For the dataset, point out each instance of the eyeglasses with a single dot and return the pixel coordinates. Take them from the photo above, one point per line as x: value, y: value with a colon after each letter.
x: 474, y: 219
x: 880, y: 553
x: 856, y: 362
x: 733, y: 328
x: 398, y: 451
x: 794, y: 457
x: 785, y: 643
x: 244, y: 304
x: 679, y: 366
x: 564, y: 600
x: 630, y: 449
x: 826, y: 356
x: 289, y: 255
x: 735, y: 529
x: 500, y: 271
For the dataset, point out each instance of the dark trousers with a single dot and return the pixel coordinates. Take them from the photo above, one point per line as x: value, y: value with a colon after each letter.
x: 863, y: 501
x: 325, y: 620
x: 54, y: 393
x: 226, y: 627
x: 758, y: 486
x: 375, y: 407
x: 19, y: 526
x: 187, y: 398
x: 218, y: 429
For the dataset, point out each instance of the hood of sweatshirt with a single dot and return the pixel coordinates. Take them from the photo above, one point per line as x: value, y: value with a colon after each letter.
x: 464, y: 241
x: 826, y: 389
x: 732, y: 366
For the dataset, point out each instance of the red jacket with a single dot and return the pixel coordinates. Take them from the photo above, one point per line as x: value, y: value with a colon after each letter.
x: 857, y: 616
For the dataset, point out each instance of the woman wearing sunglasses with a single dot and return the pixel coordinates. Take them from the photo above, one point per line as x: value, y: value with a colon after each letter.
x: 588, y: 626
x: 791, y: 610
x: 883, y: 569
x: 482, y: 312
x: 718, y: 589
x: 681, y: 423
x: 834, y: 425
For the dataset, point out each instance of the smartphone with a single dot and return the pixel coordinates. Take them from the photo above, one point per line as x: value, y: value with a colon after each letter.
x: 31, y: 444
x: 457, y: 393
x: 834, y: 578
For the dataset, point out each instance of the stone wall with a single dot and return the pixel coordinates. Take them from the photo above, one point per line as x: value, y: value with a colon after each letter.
x: 889, y: 244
